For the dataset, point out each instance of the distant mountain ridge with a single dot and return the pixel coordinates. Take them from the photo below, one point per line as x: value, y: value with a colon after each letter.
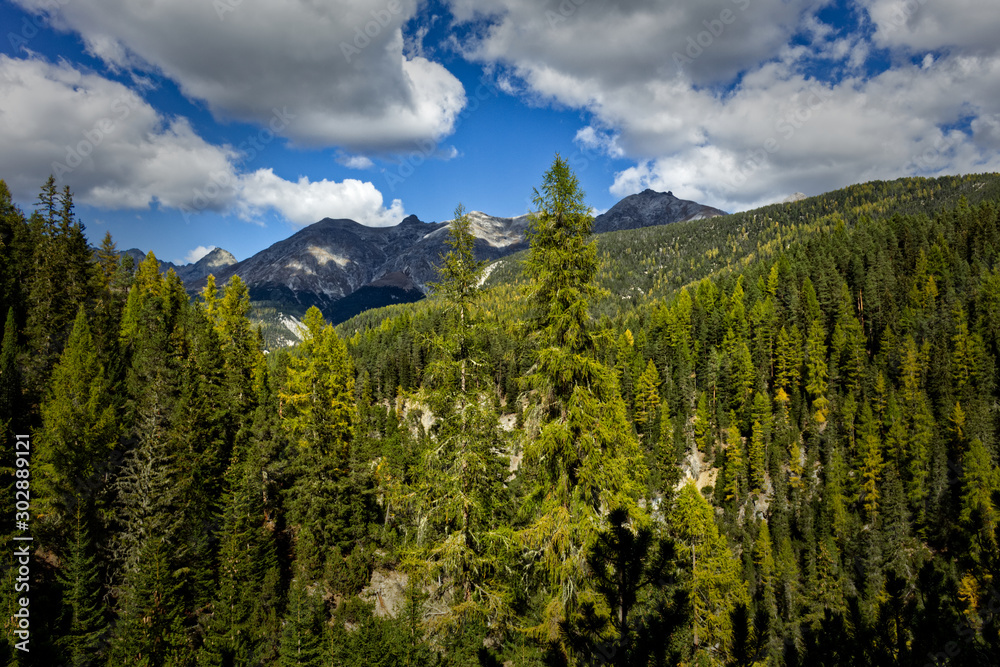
x: 649, y: 208
x: 215, y: 261
x: 344, y: 267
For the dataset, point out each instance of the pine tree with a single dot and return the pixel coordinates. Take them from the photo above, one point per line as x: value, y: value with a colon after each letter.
x: 763, y: 558
x: 239, y: 346
x: 735, y: 463
x: 326, y: 504
x: 318, y: 404
x: 460, y: 272
x: 980, y: 486
x: 622, y: 563
x: 562, y: 260
x: 871, y: 473
x: 788, y: 362
x: 241, y: 625
x: 758, y: 458
x: 62, y: 282
x: 703, y: 424
x: 16, y: 256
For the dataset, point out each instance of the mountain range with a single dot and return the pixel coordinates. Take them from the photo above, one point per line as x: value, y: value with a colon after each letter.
x: 344, y: 267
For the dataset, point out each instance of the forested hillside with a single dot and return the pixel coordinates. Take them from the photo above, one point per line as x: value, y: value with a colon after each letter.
x: 768, y: 438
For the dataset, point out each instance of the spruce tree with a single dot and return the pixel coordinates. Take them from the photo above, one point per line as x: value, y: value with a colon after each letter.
x: 302, y: 635
x: 82, y: 603
x: 10, y: 379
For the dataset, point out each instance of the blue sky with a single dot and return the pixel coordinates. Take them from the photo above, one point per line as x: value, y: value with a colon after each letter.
x: 197, y: 123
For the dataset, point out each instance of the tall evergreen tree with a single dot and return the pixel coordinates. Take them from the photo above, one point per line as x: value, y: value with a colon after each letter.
x: 79, y: 427
x: 464, y: 470
x: 647, y: 397
x: 584, y: 455
x: 81, y: 580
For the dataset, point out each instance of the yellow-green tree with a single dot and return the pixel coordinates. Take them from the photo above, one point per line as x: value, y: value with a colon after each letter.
x: 582, y: 456
x: 647, y: 397
x: 715, y: 586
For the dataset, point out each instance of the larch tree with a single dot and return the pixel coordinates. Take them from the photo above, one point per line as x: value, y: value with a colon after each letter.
x: 79, y: 426
x: 584, y: 456
x: 715, y: 585
x: 647, y: 398
x: 319, y: 416
x: 464, y: 470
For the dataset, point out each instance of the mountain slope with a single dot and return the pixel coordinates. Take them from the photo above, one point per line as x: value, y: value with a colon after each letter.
x: 342, y: 267
x: 215, y: 262
x: 649, y: 208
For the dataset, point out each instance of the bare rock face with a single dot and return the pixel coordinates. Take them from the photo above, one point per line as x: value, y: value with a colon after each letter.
x: 344, y: 267
x: 325, y: 262
x: 650, y: 208
x: 214, y: 262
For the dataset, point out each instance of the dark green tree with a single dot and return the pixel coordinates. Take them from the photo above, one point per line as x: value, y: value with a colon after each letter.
x: 80, y: 577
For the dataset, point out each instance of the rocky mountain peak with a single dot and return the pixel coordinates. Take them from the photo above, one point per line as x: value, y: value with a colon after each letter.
x: 649, y: 208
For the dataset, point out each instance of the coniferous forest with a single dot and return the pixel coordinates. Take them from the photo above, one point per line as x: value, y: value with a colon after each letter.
x: 768, y: 438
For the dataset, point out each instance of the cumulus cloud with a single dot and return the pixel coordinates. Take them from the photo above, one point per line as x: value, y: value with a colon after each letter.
x: 966, y: 26
x: 197, y: 253
x: 338, y: 66
x: 99, y: 137
x: 355, y: 161
x: 115, y: 151
x: 304, y: 202
x: 555, y: 45
x: 719, y: 101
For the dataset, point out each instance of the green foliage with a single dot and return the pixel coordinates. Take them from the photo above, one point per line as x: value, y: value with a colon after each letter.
x: 82, y: 605
x: 79, y: 427
x: 200, y: 502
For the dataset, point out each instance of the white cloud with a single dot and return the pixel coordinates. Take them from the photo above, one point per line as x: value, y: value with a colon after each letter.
x: 338, y: 66
x: 304, y: 202
x: 963, y: 26
x: 713, y: 101
x: 197, y: 253
x: 599, y: 42
x: 99, y: 137
x: 115, y: 151
x: 355, y: 161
